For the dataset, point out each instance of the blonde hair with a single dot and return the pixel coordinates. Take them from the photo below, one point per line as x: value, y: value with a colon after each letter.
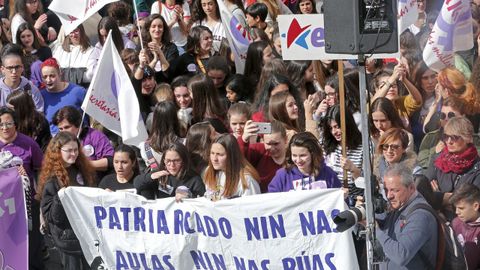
x: 164, y: 92
x: 461, y: 126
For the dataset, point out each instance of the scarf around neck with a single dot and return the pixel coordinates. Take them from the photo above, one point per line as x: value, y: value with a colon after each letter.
x: 457, y: 163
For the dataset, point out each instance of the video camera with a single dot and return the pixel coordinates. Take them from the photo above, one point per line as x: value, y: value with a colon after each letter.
x: 348, y: 218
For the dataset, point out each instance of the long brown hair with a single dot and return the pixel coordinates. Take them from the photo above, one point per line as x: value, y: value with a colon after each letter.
x: 236, y: 168
x: 278, y: 111
x: 84, y: 40
x: 206, y: 101
x: 53, y: 164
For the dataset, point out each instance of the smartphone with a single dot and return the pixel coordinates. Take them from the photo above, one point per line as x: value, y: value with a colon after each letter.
x: 264, y: 128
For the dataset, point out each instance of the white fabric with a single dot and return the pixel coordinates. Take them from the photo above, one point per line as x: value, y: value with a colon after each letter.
x: 251, y: 189
x: 73, y: 59
x: 452, y: 32
x: 407, y: 15
x: 17, y: 20
x: 73, y: 12
x: 277, y: 230
x: 237, y: 36
x: 111, y: 99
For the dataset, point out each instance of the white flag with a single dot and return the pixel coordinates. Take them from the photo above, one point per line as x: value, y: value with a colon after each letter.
x: 238, y: 37
x: 452, y: 32
x: 407, y: 14
x: 72, y: 13
x: 111, y: 99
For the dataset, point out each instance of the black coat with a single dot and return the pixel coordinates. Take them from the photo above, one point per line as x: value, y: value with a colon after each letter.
x: 149, y: 188
x: 58, y: 225
x: 448, y: 182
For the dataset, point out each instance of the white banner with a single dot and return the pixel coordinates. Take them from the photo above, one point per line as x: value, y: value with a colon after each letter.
x: 452, y: 32
x: 407, y: 14
x: 111, y: 99
x: 302, y: 38
x: 72, y: 13
x: 291, y: 230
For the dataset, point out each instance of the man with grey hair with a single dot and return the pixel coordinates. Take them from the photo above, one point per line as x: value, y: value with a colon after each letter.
x: 408, y: 238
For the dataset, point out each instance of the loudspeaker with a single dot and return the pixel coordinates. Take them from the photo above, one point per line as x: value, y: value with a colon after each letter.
x: 360, y: 26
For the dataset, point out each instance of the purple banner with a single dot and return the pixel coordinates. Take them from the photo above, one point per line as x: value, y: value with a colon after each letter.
x: 13, y: 222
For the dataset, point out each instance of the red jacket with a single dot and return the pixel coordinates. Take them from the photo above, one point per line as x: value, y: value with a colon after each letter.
x: 468, y: 235
x: 262, y: 161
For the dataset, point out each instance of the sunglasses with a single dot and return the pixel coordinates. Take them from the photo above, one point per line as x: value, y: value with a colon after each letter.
x: 392, y: 146
x: 444, y: 116
x: 454, y: 138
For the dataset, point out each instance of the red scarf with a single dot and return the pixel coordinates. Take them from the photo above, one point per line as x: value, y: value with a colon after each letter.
x: 457, y: 163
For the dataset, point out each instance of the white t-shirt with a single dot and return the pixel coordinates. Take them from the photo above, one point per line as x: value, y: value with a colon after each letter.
x: 73, y: 59
x: 251, y: 189
x: 178, y: 36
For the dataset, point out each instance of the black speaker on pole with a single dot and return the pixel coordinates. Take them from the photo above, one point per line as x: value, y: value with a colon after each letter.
x: 360, y: 26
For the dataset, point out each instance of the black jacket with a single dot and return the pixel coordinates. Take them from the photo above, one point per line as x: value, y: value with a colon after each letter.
x: 59, y: 227
x: 448, y: 182
x: 149, y: 188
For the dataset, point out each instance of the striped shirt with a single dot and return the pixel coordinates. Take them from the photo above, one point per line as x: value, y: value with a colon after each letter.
x: 356, y: 156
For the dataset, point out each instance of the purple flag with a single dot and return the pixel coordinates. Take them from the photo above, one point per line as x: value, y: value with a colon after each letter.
x: 13, y: 222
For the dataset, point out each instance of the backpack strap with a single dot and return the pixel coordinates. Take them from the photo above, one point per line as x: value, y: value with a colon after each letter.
x: 440, y: 233
x: 152, y: 162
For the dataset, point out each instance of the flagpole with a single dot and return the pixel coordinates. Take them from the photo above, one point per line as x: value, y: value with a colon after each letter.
x: 81, y: 124
x: 138, y: 25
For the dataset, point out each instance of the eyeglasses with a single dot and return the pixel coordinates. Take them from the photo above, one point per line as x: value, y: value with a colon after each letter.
x: 7, y: 124
x: 392, y: 146
x: 173, y: 161
x: 70, y: 151
x: 14, y: 68
x: 447, y: 116
x: 454, y: 138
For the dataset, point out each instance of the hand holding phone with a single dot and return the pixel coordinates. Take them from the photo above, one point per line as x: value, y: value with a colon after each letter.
x: 264, y: 128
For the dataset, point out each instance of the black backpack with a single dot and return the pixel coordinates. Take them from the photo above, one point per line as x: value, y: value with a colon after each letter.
x: 449, y: 251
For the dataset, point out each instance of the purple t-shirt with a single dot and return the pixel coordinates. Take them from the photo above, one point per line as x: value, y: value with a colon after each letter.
x: 96, y: 145
x: 28, y: 150
x: 286, y: 180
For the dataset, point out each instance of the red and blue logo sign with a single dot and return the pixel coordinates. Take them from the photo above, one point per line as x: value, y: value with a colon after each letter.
x: 304, y: 35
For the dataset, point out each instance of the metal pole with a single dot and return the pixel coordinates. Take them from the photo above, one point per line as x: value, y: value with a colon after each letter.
x: 367, y: 173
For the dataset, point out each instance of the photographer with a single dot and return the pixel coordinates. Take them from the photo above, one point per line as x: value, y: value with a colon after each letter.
x: 407, y: 244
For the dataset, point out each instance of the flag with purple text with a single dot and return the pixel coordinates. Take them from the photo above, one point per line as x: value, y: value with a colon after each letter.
x: 111, y: 99
x: 72, y: 13
x: 238, y: 36
x: 452, y: 32
x: 407, y: 14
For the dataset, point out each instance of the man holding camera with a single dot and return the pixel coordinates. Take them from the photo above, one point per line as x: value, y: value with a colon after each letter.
x: 408, y: 238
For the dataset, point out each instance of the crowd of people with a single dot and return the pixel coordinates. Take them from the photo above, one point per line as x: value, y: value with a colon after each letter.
x: 218, y: 133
